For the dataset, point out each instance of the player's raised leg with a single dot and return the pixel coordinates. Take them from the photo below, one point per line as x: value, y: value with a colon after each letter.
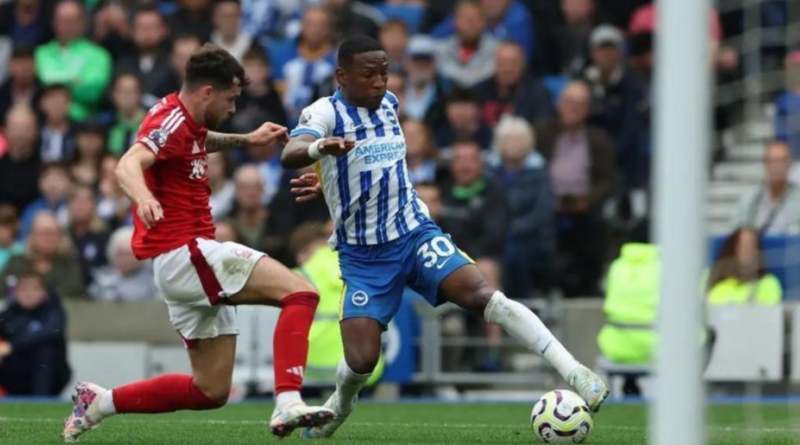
x: 467, y: 288
x: 271, y: 283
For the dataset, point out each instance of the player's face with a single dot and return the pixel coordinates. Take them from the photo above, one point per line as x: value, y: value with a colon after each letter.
x: 222, y: 105
x: 365, y: 79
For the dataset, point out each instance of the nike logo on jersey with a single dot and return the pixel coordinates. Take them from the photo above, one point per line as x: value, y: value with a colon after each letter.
x: 441, y: 265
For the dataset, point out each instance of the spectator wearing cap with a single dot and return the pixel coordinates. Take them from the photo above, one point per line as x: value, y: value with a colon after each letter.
x: 420, y: 152
x: 618, y: 102
x: 50, y: 254
x: 425, y: 88
x: 86, y: 230
x: 21, y: 86
x: 394, y: 40
x: 512, y: 90
x: 787, y: 117
x: 9, y: 228
x: 467, y: 58
x: 128, y: 113
x: 312, y: 63
x: 33, y: 347
x: 194, y: 17
x: 90, y: 147
x: 75, y: 61
x: 228, y: 33
x: 349, y: 18
x: 583, y: 168
x: 19, y: 168
x: 57, y: 138
x: 148, y: 60
x: 53, y: 191
x: 462, y: 121
x: 508, y: 20
x: 260, y: 101
x: 125, y: 278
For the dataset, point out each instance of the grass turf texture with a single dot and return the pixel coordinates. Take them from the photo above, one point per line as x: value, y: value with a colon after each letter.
x: 402, y: 423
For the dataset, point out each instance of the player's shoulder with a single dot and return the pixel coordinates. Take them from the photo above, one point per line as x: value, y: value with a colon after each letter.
x: 164, y: 123
x: 391, y: 97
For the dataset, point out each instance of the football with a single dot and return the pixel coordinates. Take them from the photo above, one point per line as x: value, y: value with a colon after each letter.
x: 561, y: 417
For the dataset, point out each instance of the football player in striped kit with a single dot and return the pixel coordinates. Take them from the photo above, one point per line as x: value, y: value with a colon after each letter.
x: 384, y: 235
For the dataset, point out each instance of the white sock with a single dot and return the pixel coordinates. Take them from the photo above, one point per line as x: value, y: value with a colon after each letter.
x: 106, y: 405
x: 348, y: 384
x: 288, y: 398
x: 524, y: 326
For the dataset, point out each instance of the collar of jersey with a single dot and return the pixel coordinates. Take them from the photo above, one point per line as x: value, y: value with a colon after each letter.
x: 339, y: 96
x: 189, y: 119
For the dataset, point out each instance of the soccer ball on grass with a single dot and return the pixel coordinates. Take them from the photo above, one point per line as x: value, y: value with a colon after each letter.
x: 561, y: 417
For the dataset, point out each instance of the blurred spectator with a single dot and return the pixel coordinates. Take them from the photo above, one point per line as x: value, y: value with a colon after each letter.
x: 57, y: 136
x: 463, y: 121
x: 228, y: 33
x: 522, y: 174
x: 86, y: 230
x: 90, y: 140
x: 75, y: 61
x: 349, y: 18
x: 774, y: 207
x: 182, y: 49
x: 394, y: 39
x: 249, y: 217
x: 313, y: 61
x: 260, y: 101
x: 508, y: 20
x: 26, y: 21
x: 396, y: 83
x: 467, y: 58
x: 53, y: 190
x: 9, y: 228
x: 582, y: 165
x: 112, y: 28
x: 33, y: 349
x: 148, y: 60
x: 222, y: 188
x: 511, y: 91
x: 19, y: 168
x: 420, y: 152
x: 739, y: 274
x: 128, y: 113
x: 641, y: 60
x: 20, y: 88
x: 431, y: 196
x: 51, y: 255
x: 194, y: 17
x: 787, y: 119
x: 425, y: 89
x: 566, y: 51
x: 618, y: 104
x: 113, y: 206
x: 225, y: 232
x: 475, y: 212
x: 125, y: 278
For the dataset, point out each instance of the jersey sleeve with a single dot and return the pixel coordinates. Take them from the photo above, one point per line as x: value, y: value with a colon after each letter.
x: 161, y: 133
x: 317, y: 120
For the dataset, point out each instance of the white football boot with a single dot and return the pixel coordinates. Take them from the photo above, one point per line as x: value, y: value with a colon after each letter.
x: 287, y: 418
x: 589, y: 386
x: 342, y: 413
x: 86, y: 411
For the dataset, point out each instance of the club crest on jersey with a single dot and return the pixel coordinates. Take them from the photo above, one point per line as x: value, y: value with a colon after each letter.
x: 391, y: 117
x: 198, y: 169
x: 360, y: 298
x: 158, y: 136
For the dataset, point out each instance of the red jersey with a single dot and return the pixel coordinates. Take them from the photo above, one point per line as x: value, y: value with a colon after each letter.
x: 177, y: 180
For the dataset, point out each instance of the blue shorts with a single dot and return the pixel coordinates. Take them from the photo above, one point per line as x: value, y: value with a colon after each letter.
x: 375, y: 276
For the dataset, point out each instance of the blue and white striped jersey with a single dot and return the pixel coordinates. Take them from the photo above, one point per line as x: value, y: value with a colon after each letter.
x: 368, y: 192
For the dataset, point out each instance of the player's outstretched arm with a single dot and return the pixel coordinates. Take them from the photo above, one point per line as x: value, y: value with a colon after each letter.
x: 130, y: 174
x: 264, y: 136
x: 304, y: 150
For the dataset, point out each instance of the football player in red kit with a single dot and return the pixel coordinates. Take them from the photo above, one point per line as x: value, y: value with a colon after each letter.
x: 164, y: 174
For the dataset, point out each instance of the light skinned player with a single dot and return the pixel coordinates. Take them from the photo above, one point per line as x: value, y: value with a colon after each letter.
x: 164, y: 174
x: 384, y: 235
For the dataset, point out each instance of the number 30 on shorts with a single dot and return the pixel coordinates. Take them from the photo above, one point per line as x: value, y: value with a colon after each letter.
x: 436, y: 252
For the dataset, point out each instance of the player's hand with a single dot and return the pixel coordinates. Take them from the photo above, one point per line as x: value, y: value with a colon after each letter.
x: 306, y: 188
x: 336, y: 146
x: 150, y: 212
x: 266, y: 135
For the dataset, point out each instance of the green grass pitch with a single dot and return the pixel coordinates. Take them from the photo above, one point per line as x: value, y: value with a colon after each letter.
x: 392, y: 423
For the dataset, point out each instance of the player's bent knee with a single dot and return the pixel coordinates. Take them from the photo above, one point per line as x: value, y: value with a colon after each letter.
x: 218, y: 394
x: 361, y: 362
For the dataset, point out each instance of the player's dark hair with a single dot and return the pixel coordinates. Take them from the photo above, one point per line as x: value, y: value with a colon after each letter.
x: 355, y: 45
x: 212, y: 65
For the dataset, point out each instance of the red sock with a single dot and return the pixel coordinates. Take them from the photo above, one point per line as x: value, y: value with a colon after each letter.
x: 290, y: 343
x: 164, y: 394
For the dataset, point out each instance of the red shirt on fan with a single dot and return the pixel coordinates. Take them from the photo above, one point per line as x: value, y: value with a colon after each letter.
x: 177, y: 180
